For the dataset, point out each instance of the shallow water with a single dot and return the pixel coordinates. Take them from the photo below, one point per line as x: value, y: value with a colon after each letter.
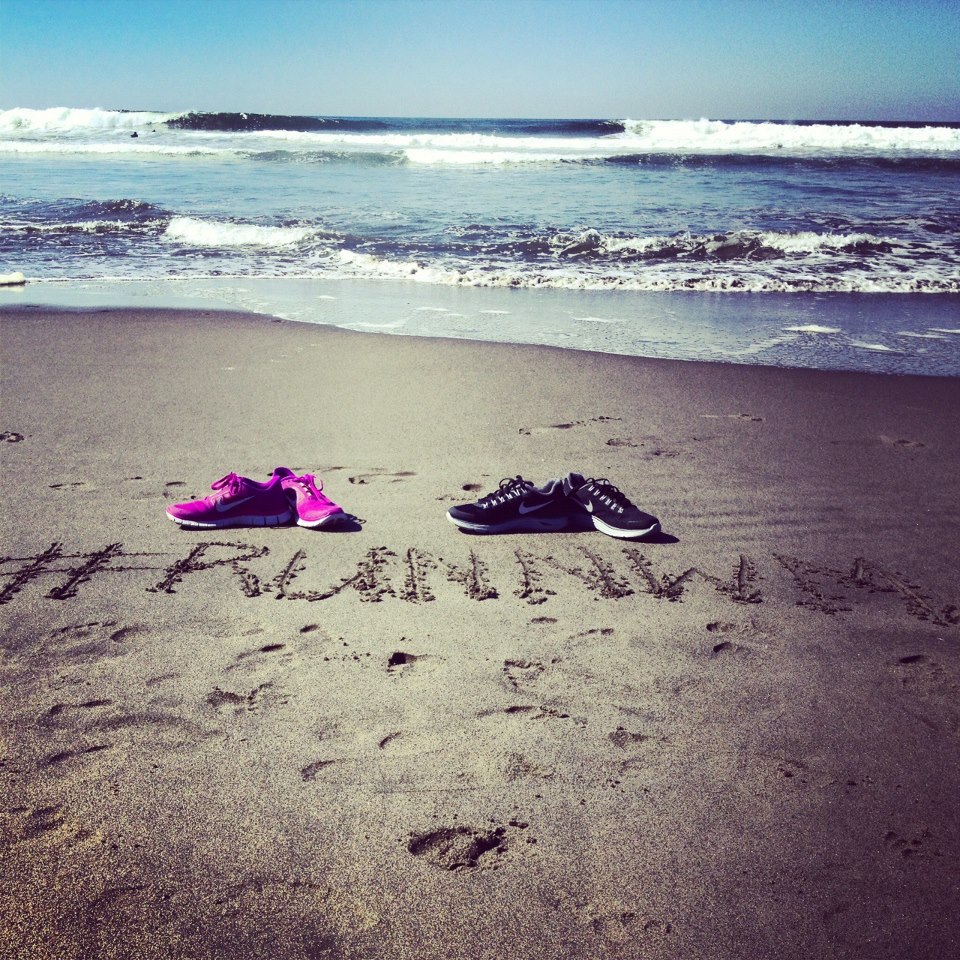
x: 834, y: 245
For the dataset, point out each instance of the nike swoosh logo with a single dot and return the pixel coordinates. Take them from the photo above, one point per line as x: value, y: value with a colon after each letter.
x: 523, y: 509
x: 589, y: 506
x: 222, y: 507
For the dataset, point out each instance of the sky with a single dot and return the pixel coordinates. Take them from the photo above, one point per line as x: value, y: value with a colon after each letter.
x: 642, y: 59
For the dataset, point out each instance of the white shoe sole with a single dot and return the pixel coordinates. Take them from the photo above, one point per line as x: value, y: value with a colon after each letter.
x: 330, y: 518
x: 256, y: 521
x: 624, y: 534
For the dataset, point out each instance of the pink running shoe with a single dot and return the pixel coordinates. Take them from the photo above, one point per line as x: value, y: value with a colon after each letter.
x: 237, y: 502
x: 314, y: 508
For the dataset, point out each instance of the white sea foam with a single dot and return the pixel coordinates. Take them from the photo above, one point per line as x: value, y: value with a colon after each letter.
x: 641, y: 137
x: 877, y: 347
x: 812, y: 328
x: 205, y: 233
x: 73, y: 120
x: 664, y: 277
x: 715, y: 136
x: 944, y: 330
x: 598, y: 319
x: 78, y: 130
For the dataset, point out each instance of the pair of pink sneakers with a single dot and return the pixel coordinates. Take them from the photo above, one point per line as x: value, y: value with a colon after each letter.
x: 240, y: 502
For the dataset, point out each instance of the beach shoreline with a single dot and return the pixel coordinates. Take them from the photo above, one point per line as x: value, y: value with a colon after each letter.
x: 895, y: 333
x: 738, y: 739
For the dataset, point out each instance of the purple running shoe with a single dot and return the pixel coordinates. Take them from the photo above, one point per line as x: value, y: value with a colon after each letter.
x: 237, y: 502
x: 313, y: 507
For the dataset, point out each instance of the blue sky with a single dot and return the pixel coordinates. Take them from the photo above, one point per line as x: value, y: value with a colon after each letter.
x: 785, y: 59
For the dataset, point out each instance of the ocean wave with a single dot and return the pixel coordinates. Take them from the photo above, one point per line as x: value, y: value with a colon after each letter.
x: 735, y: 245
x: 760, y: 137
x: 423, y: 141
x: 256, y: 122
x: 220, y: 234
x: 369, y: 266
x: 72, y: 119
x: 118, y: 217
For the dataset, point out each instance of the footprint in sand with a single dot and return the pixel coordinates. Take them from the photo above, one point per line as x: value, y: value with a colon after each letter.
x: 399, y: 659
x: 381, y: 475
x: 648, y: 446
x: 467, y: 488
x: 250, y: 660
x: 623, y: 924
x: 64, y: 755
x: 933, y: 687
x: 732, y: 416
x: 51, y: 824
x: 635, y: 745
x: 623, y: 738
x: 59, y: 709
x: 310, y: 771
x: 528, y: 431
x: 594, y: 632
x: 529, y: 711
x: 521, y: 673
x: 901, y: 444
x: 265, y: 695
x: 515, y: 766
x: 726, y: 647
x: 139, y: 487
x: 402, y: 661
x: 467, y: 848
x: 85, y: 641
x: 725, y: 629
x: 915, y: 845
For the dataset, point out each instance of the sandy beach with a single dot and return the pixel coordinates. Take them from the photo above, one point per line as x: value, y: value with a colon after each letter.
x: 737, y: 739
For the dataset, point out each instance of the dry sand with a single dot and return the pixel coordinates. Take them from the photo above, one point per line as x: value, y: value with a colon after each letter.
x: 739, y: 740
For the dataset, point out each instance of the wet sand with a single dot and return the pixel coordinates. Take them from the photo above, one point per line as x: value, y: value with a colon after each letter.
x: 739, y: 739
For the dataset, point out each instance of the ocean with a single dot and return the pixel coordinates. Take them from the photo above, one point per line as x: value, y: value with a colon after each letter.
x: 829, y: 245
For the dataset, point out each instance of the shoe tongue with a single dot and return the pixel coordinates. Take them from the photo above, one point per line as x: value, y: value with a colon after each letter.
x: 573, y: 481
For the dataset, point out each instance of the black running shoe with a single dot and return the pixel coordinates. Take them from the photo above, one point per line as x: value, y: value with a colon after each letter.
x: 518, y: 505
x: 609, y: 508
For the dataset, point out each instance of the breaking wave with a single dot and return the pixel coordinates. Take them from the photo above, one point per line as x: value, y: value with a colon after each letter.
x: 219, y: 234
x: 426, y: 141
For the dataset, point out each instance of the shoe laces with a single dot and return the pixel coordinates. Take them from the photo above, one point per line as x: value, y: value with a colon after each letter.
x: 229, y: 486
x: 312, y: 487
x: 613, y: 495
x: 510, y: 488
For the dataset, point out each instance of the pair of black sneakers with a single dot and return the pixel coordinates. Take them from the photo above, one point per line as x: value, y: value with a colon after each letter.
x: 519, y: 505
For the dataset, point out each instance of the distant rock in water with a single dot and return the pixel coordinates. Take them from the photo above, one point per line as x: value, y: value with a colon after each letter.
x: 134, y: 135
